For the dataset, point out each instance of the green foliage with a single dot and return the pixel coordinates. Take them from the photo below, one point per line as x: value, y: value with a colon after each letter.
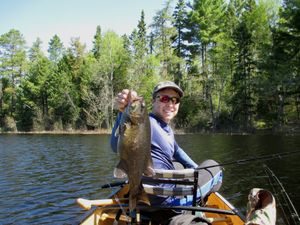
x: 56, y: 49
x: 192, y: 117
x: 12, y: 67
x: 97, y: 43
x: 237, y: 62
x: 108, y: 78
x: 162, y: 34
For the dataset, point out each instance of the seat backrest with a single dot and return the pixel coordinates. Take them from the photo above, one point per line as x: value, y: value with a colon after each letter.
x: 187, y: 179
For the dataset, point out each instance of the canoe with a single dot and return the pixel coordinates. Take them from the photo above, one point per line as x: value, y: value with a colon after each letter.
x: 217, y: 210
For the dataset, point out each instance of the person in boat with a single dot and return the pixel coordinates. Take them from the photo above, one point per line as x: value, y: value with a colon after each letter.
x: 166, y: 98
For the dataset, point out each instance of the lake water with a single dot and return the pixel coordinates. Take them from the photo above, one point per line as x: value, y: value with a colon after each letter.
x: 42, y: 175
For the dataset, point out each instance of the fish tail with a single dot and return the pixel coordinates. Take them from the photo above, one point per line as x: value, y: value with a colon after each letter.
x: 132, y: 202
x: 143, y: 198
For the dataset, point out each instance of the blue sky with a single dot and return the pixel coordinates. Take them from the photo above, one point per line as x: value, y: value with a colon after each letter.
x: 73, y: 18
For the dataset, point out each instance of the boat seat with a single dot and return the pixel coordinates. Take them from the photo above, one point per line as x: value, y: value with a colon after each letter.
x: 185, y: 180
x: 176, y: 191
x: 175, y: 174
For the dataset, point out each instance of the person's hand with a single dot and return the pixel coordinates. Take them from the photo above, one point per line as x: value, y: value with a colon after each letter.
x: 122, y: 99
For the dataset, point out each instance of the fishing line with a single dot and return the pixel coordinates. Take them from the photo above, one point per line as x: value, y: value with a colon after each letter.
x: 284, y: 195
x: 238, y: 162
x: 259, y: 158
x: 111, y: 185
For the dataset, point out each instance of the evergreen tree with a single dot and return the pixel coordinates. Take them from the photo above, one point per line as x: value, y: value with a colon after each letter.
x: 56, y: 49
x: 67, y: 83
x: 138, y: 39
x: 180, y: 23
x: 33, y: 110
x: 97, y: 43
x: 281, y: 87
x: 252, y: 37
x: 140, y: 63
x: 35, y: 52
x: 12, y: 67
x: 163, y: 32
x: 142, y: 37
x: 206, y: 31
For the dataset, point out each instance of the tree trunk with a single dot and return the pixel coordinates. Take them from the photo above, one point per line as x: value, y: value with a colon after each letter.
x: 280, y: 112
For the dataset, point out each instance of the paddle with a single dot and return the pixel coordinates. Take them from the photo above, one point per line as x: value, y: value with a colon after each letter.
x: 87, y: 204
x: 169, y: 207
x: 114, y: 204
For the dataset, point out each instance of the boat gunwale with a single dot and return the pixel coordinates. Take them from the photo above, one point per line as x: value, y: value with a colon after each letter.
x: 232, y: 212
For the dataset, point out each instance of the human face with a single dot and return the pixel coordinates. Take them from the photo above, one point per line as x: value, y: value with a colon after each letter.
x: 165, y: 111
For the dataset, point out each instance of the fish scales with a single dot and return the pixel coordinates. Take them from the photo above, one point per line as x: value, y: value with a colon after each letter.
x: 134, y: 146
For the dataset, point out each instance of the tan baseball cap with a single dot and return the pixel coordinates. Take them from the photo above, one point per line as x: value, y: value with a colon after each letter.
x: 167, y: 84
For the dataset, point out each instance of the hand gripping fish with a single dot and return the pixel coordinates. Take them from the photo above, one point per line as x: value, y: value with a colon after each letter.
x: 134, y: 145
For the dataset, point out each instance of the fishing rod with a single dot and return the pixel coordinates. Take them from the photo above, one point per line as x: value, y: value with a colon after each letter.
x: 247, y: 160
x: 238, y: 162
x: 114, y: 184
x: 281, y: 194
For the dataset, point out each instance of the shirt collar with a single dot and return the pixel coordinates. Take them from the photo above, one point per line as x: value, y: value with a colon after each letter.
x: 162, y: 123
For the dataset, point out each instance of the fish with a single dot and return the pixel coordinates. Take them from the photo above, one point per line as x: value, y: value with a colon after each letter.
x: 261, y: 208
x: 134, y: 148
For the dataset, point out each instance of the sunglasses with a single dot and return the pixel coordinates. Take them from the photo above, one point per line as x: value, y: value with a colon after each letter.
x: 166, y: 99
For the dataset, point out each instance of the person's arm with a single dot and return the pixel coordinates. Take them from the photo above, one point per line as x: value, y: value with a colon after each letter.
x: 114, y: 137
x: 121, y: 103
x: 183, y: 158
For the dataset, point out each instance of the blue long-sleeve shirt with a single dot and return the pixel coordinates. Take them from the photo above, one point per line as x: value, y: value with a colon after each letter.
x: 164, y: 148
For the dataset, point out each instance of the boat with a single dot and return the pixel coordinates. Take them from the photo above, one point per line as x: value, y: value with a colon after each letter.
x: 114, y: 210
x: 213, y: 209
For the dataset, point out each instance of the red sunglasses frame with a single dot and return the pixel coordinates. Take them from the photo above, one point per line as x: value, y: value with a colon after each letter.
x: 166, y: 99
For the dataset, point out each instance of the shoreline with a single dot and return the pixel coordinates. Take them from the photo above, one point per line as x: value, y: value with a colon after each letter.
x: 102, y: 131
x: 176, y: 131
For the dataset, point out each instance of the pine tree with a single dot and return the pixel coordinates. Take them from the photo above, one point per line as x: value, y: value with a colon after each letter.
x: 97, y: 43
x: 56, y: 49
x: 206, y: 32
x: 12, y: 61
x: 180, y: 49
x: 162, y: 33
x: 142, y: 37
x: 33, y: 110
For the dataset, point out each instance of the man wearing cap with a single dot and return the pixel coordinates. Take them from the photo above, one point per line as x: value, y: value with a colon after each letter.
x: 164, y: 149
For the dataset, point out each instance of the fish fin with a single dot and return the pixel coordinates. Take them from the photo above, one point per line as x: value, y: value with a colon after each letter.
x: 120, y: 170
x: 122, y: 129
x: 118, y: 173
x: 143, y: 198
x: 149, y: 171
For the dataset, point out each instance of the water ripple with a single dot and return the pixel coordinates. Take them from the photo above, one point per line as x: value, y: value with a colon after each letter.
x: 42, y: 175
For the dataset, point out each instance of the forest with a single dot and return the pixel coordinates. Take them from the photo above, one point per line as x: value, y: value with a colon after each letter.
x: 237, y: 61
